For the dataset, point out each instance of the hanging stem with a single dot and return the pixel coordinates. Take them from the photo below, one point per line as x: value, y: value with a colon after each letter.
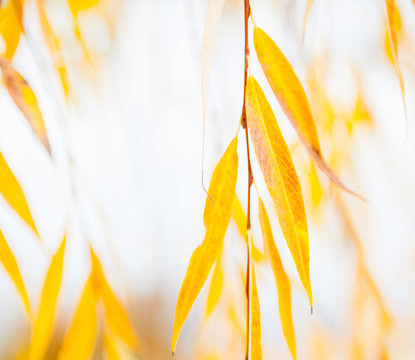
x: 250, y: 177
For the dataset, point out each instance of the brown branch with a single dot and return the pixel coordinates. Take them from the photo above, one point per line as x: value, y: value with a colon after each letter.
x: 244, y: 125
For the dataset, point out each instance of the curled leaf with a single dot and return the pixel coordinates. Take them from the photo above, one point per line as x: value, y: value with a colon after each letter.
x: 292, y: 98
x: 281, y: 178
x: 25, y: 99
x: 79, y: 341
x: 217, y: 215
x: 116, y: 317
x: 13, y: 194
x: 43, y: 327
x: 10, y: 264
x: 281, y: 278
x: 254, y: 313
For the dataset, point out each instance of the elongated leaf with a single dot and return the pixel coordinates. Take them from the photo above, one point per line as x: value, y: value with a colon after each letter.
x: 43, y: 327
x: 241, y: 223
x: 77, y: 6
x: 215, y: 289
x: 306, y: 16
x: 281, y: 278
x: 280, y: 176
x: 10, y: 264
x: 254, y: 313
x: 79, y: 341
x: 116, y: 317
x: 217, y: 215
x: 13, y: 194
x: 11, y: 26
x: 26, y: 101
x: 292, y: 98
x: 212, y: 20
x: 393, y: 28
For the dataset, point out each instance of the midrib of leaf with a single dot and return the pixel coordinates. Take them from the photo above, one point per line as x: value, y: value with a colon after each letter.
x: 279, y: 174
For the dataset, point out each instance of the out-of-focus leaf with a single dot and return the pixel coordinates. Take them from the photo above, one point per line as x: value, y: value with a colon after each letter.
x: 241, y: 222
x: 77, y: 6
x: 254, y: 313
x: 217, y: 215
x: 281, y: 178
x: 292, y: 98
x: 53, y: 44
x: 360, y: 114
x: 212, y: 20
x: 12, y: 192
x: 116, y: 317
x: 394, y: 24
x: 216, y: 288
x: 281, y: 278
x: 79, y: 341
x: 43, y: 326
x: 10, y: 264
x: 306, y: 16
x: 315, y: 186
x: 11, y: 26
x: 25, y: 99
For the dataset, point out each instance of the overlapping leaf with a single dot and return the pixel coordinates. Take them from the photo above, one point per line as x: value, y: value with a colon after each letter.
x: 292, y: 98
x: 216, y: 288
x: 254, y: 314
x: 10, y: 265
x: 280, y: 176
x: 13, y: 193
x: 79, y: 341
x: 281, y: 278
x: 217, y: 215
x: 11, y: 26
x: 116, y: 317
x: 43, y: 326
x: 25, y: 99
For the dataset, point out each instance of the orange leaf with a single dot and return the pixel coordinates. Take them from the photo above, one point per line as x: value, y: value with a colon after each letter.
x: 217, y: 215
x: 281, y: 278
x: 10, y: 264
x: 254, y: 313
x: 12, y: 192
x: 292, y: 98
x: 25, y: 99
x: 80, y: 339
x: 43, y: 327
x: 280, y: 176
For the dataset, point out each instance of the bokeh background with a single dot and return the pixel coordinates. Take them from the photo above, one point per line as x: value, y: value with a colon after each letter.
x: 125, y: 176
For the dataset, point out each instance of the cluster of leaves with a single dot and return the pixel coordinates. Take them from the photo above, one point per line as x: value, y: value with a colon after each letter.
x: 98, y: 310
x: 279, y: 173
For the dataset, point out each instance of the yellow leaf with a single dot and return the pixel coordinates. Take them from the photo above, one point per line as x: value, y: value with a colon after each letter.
x: 394, y: 26
x: 25, y: 99
x: 254, y: 313
x: 217, y: 215
x: 241, y: 222
x: 306, y: 16
x: 43, y: 327
x: 79, y: 341
x: 53, y: 44
x: 114, y: 349
x: 212, y: 20
x: 10, y: 264
x: 116, y: 317
x: 11, y: 26
x: 13, y: 194
x: 216, y: 288
x: 77, y: 6
x: 281, y: 278
x: 292, y: 98
x: 281, y: 178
